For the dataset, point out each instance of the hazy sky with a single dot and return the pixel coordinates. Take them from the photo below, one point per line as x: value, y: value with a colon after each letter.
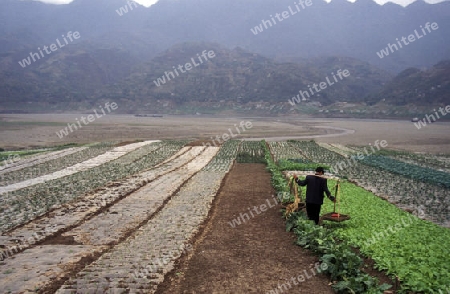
x: 150, y: 2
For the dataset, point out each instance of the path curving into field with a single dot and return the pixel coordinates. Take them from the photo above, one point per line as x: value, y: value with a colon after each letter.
x: 257, y: 256
x: 336, y: 132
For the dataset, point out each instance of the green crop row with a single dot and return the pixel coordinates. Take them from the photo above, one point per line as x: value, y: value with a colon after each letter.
x: 278, y: 179
x: 250, y: 152
x: 23, y: 205
x: 10, y: 156
x: 225, y: 157
x: 343, y: 265
x: 303, y: 166
x: 420, y: 195
x: 5, y: 155
x: 412, y: 171
x: 414, y: 250
x: 425, y: 160
x: 55, y: 164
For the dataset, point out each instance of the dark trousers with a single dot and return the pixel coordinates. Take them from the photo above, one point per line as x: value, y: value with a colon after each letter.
x: 313, y: 211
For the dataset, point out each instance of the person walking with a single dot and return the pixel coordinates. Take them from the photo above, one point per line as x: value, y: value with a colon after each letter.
x: 316, y: 187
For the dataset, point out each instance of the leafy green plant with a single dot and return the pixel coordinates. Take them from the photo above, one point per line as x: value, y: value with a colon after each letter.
x: 250, y: 152
x: 297, y: 165
x: 409, y: 170
x: 400, y: 243
x: 362, y: 283
x: 342, y: 264
x: 37, y: 199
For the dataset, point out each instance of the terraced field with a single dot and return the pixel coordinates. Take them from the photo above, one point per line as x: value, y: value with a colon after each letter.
x: 150, y: 191
x: 116, y: 218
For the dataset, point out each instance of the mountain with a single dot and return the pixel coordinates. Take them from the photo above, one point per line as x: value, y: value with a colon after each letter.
x: 244, y: 77
x: 430, y: 87
x: 216, y: 77
x: 339, y: 28
x: 123, y: 47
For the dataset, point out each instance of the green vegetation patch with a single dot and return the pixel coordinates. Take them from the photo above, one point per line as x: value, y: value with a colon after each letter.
x: 299, y: 164
x: 414, y: 250
x: 411, y: 171
x: 405, y: 246
x: 250, y: 152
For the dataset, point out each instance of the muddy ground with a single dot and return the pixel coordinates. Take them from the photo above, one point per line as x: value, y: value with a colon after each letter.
x: 31, y: 130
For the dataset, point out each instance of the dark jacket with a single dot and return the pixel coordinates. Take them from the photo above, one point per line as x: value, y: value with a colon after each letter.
x: 316, y: 186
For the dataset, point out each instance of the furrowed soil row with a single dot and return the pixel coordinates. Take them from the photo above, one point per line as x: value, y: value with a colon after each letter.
x: 102, y: 230
x: 54, y: 164
x: 139, y: 264
x: 38, y: 159
x: 126, y: 215
x: 90, y: 163
x: 20, y: 207
x: 71, y: 215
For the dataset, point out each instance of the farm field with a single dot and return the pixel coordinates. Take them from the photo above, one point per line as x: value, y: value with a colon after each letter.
x: 391, y: 237
x: 130, y: 216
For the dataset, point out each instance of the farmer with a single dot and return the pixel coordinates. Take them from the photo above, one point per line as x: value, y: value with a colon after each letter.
x: 316, y: 186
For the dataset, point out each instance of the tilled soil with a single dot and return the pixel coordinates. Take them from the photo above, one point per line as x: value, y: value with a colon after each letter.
x: 46, y: 266
x: 257, y: 256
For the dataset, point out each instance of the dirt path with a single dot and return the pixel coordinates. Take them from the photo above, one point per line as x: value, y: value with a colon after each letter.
x: 257, y: 256
x: 330, y: 132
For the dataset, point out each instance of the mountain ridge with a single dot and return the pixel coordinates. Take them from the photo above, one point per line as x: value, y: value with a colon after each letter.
x: 302, y: 49
x: 357, y: 29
